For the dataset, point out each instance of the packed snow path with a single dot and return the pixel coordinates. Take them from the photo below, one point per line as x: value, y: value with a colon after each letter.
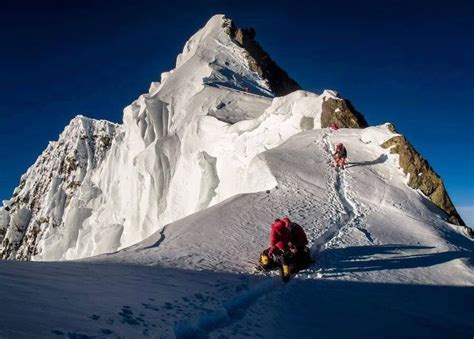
x: 348, y: 215
x: 229, y: 312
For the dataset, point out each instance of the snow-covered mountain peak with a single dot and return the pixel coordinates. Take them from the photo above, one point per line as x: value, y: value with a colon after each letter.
x: 329, y: 93
x: 213, y: 30
x: 82, y: 126
x: 222, y: 55
x: 197, y: 138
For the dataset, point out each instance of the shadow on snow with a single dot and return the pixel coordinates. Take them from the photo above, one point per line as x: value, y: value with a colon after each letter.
x: 359, y: 258
x: 381, y: 159
x: 98, y: 300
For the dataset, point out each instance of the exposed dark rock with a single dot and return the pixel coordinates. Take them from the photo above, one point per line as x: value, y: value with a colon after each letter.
x: 469, y: 231
x: 259, y: 60
x: 342, y: 113
x: 422, y: 176
x: 391, y: 128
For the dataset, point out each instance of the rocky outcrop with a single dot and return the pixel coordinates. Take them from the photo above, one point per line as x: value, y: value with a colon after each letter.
x: 342, y: 113
x: 422, y: 176
x: 44, y: 192
x: 259, y: 60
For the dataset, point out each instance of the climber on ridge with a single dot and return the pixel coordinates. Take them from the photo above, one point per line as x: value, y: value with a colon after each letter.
x: 340, y: 155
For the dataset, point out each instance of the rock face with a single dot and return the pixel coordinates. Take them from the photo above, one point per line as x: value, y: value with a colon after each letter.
x: 259, y: 60
x: 422, y: 176
x: 342, y: 113
x: 45, y: 191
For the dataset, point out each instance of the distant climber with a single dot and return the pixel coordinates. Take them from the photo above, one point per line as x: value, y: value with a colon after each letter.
x: 334, y: 127
x: 340, y: 156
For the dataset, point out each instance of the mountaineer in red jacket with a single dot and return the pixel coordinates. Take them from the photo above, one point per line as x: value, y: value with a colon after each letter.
x: 286, y: 238
x: 340, y: 156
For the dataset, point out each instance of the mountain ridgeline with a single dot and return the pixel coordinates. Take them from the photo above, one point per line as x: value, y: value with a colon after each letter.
x: 194, y: 140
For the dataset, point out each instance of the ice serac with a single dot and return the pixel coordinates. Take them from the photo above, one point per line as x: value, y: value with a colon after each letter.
x: 45, y: 192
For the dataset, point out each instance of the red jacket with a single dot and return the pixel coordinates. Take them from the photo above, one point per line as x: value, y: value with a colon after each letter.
x: 279, y: 237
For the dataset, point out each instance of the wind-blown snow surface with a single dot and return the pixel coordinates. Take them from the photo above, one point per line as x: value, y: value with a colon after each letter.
x: 389, y: 265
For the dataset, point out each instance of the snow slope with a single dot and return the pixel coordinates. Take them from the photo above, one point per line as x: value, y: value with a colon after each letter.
x: 386, y: 258
x: 367, y: 205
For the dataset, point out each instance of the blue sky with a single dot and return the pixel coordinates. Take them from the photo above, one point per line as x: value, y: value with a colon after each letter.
x: 406, y: 62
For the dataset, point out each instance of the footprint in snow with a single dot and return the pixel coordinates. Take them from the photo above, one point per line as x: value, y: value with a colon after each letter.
x: 74, y: 335
x: 95, y: 317
x: 127, y: 316
x: 150, y: 307
x: 199, y: 296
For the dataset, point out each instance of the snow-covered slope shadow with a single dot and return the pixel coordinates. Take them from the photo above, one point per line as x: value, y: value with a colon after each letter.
x: 336, y: 309
x: 231, y: 311
x: 388, y: 257
x: 137, y: 301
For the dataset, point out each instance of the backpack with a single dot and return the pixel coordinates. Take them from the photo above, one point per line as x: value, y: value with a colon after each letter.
x: 343, y: 152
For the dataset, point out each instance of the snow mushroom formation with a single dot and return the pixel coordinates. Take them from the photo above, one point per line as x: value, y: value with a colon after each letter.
x: 203, y: 134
